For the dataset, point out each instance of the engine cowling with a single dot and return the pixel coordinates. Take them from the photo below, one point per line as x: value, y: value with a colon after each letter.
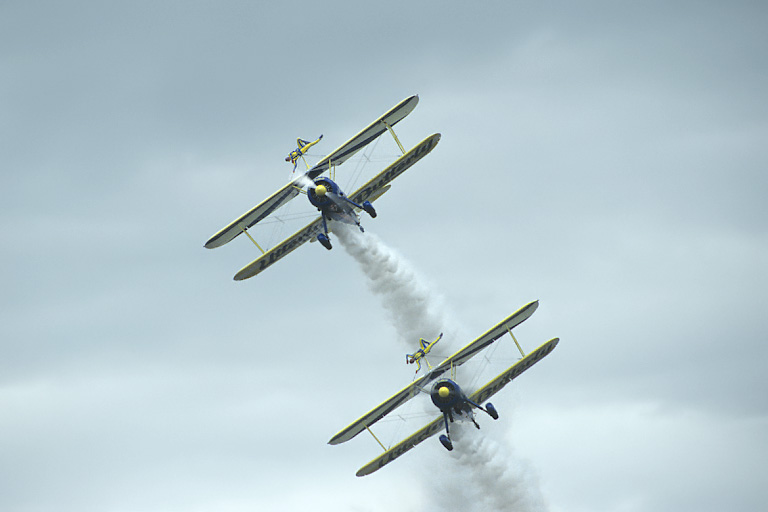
x: 318, y: 194
x: 446, y: 394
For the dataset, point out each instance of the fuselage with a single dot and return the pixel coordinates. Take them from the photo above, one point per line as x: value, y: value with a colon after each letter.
x: 328, y: 197
x: 450, y: 399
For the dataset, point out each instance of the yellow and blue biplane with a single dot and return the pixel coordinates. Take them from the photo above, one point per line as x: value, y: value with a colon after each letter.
x: 325, y: 194
x: 453, y: 403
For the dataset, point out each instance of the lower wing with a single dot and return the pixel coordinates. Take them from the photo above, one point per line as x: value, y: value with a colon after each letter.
x: 260, y: 264
x: 403, y: 446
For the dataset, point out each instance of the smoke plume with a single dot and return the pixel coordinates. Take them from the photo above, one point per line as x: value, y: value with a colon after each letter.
x: 484, y: 476
x: 414, y: 309
x: 489, y: 476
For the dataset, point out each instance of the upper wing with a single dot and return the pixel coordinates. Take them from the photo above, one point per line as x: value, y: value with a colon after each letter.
x: 403, y: 446
x: 255, y: 214
x: 366, y: 136
x: 371, y: 190
x: 380, y: 411
x: 486, y: 339
x: 490, y: 389
x: 337, y: 157
x: 457, y: 359
x: 306, y: 233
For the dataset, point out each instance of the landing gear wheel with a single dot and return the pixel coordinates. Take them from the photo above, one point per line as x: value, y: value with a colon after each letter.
x: 324, y: 240
x: 368, y: 207
x: 446, y: 442
x: 491, y: 411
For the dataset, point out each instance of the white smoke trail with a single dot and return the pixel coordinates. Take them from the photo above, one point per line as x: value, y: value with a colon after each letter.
x: 415, y: 310
x: 489, y: 476
x: 486, y: 477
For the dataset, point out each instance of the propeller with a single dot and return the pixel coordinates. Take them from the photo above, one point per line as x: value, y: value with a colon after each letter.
x: 304, y: 181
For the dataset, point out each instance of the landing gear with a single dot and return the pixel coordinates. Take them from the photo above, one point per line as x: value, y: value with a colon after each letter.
x: 444, y: 439
x: 368, y: 207
x: 323, y: 239
x: 491, y: 410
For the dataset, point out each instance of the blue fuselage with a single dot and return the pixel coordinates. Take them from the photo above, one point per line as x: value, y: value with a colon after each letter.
x: 452, y: 399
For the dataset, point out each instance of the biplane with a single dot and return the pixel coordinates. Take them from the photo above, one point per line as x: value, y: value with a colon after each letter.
x: 453, y: 402
x: 325, y: 194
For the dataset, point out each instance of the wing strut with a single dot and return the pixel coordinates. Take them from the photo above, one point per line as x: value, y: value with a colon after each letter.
x: 516, y: 343
x: 392, y: 132
x: 245, y: 230
x: 376, y: 438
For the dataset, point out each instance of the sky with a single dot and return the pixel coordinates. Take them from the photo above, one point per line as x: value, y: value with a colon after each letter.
x: 605, y: 158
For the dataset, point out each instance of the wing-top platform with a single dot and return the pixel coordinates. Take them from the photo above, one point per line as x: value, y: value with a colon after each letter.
x: 455, y: 360
x: 291, y: 189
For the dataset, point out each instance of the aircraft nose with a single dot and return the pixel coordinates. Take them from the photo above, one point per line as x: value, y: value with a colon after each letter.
x: 320, y: 190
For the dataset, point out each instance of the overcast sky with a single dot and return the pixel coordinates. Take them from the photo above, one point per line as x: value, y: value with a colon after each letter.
x: 606, y: 158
